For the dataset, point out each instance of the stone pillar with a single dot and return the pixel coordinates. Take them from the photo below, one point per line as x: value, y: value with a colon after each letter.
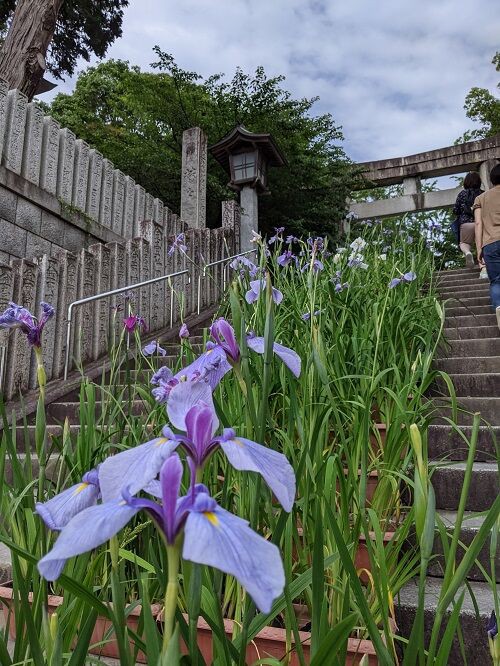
x: 19, y: 355
x: 3, y: 112
x: 50, y: 155
x: 49, y: 284
x: 128, y: 213
x: 118, y: 279
x: 411, y: 186
x: 133, y: 274
x: 66, y: 165
x: 194, y: 178
x: 68, y: 276
x: 15, y: 123
x: 118, y: 203
x: 81, y: 174
x: 484, y: 172
x: 249, y: 202
x: 85, y: 314
x: 106, y: 206
x: 94, y: 184
x: 231, y: 219
x: 33, y: 144
x: 140, y: 195
x: 102, y: 256
x: 6, y: 295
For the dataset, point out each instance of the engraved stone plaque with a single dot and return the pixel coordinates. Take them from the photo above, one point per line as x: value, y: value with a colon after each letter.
x: 50, y: 155
x: 32, y: 154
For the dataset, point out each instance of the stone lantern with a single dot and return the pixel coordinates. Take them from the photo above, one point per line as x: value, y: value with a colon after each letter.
x: 247, y: 156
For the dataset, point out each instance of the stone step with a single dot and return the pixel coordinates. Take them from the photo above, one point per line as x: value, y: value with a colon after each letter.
x: 470, y: 365
x: 51, y: 470
x: 453, y: 311
x: 458, y: 283
x: 27, y: 436
x: 471, y: 348
x: 447, y: 274
x: 473, y: 627
x: 5, y: 565
x: 461, y: 290
x: 489, y: 408
x: 471, y: 332
x: 471, y: 320
x: 471, y: 524
x: 448, y: 478
x: 444, y: 442
x: 57, y: 412
x: 472, y: 384
x: 468, y: 300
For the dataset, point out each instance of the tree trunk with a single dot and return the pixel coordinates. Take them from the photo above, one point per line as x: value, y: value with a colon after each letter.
x: 22, y: 59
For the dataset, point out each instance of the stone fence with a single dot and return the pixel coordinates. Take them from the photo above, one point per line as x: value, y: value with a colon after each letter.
x: 58, y: 193
x: 67, y: 276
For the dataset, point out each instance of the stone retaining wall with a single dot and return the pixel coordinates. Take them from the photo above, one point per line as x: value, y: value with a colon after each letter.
x: 58, y: 193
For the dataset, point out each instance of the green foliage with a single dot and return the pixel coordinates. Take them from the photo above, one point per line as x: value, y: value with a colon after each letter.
x: 483, y: 107
x: 136, y: 119
x: 83, y: 28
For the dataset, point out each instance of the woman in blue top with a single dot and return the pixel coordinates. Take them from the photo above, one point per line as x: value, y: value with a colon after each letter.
x: 463, y: 226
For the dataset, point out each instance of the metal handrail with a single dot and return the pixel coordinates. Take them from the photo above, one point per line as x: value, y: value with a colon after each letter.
x: 203, y: 273
x: 113, y: 292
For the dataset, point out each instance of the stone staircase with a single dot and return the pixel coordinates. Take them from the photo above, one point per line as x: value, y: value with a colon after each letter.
x: 472, y: 359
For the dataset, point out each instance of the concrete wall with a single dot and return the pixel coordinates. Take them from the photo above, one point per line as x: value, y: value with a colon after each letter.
x: 58, y: 193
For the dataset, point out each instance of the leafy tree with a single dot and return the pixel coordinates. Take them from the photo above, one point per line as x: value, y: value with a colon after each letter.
x: 483, y: 107
x: 53, y: 35
x: 136, y: 119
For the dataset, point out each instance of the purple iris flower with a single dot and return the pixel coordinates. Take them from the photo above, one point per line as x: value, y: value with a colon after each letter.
x: 217, y: 360
x: 179, y: 243
x: 191, y: 410
x: 132, y: 322
x: 58, y: 511
x: 256, y: 287
x: 307, y: 315
x: 183, y: 332
x: 394, y: 282
x: 286, y: 258
x: 277, y: 235
x: 153, y: 348
x: 410, y: 276
x: 291, y: 239
x: 15, y: 316
x: 316, y: 266
x: 243, y: 264
x: 340, y: 286
x: 492, y: 628
x: 212, y: 536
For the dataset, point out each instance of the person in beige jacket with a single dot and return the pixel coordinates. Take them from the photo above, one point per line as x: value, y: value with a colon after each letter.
x: 487, y: 228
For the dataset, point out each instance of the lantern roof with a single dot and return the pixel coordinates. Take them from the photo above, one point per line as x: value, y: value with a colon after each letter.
x: 240, y: 139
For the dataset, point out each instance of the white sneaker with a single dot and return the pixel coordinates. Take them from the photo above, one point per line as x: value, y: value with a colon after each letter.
x: 483, y: 274
x: 469, y: 260
x: 497, y: 311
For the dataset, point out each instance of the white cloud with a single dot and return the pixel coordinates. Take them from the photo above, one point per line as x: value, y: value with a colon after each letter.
x: 393, y: 73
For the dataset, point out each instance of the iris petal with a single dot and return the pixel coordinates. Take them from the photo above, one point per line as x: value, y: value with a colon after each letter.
x: 183, y: 397
x: 248, y: 456
x: 226, y: 542
x: 290, y: 358
x: 134, y: 468
x: 87, y: 530
x: 58, y: 511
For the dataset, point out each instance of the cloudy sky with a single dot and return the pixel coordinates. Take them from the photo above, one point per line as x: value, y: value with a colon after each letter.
x: 393, y: 73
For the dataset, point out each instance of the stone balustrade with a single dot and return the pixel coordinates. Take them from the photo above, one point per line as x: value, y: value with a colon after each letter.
x: 69, y: 276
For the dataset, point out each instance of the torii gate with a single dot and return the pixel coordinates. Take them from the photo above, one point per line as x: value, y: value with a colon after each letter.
x: 479, y: 156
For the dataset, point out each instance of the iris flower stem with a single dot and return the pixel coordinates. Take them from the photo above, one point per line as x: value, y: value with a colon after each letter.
x: 170, y: 594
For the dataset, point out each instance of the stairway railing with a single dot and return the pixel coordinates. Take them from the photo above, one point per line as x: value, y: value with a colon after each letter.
x: 114, y: 292
x: 203, y: 273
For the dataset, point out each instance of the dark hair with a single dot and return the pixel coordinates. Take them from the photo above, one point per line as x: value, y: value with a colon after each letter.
x: 495, y: 175
x: 472, y: 181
